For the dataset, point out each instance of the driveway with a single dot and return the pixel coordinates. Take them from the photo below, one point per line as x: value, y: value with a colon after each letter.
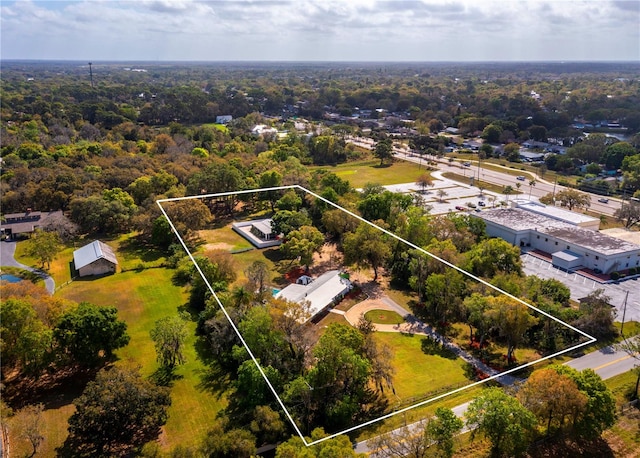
x: 413, y: 325
x: 7, y: 251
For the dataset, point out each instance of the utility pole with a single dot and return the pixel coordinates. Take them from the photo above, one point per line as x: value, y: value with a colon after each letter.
x: 91, y: 73
x: 624, y: 312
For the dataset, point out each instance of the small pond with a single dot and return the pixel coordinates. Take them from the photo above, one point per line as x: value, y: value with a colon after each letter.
x: 10, y: 278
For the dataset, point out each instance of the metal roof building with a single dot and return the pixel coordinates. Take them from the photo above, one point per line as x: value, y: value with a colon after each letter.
x: 96, y: 258
x: 327, y: 289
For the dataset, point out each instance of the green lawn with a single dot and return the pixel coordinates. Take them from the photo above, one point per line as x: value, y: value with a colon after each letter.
x: 384, y: 317
x: 220, y: 127
x: 227, y: 239
x: 360, y: 173
x: 141, y: 297
x: 59, y: 269
x: 418, y: 374
x: 622, y: 386
x: 486, y: 186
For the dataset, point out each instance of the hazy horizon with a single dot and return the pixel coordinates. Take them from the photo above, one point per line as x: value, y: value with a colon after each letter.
x: 321, y: 30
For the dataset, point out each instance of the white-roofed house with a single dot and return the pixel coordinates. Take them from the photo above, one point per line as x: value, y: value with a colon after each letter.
x: 96, y: 258
x: 320, y: 293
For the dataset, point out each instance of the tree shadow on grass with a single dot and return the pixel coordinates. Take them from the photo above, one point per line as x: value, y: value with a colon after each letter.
x: 273, y: 254
x: 165, y: 376
x: 432, y: 347
x: 135, y: 248
x: 52, y: 390
x: 213, y: 378
x: 559, y: 447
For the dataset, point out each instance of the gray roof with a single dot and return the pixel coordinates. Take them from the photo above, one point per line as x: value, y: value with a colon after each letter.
x: 264, y: 226
x: 21, y: 223
x: 319, y: 293
x: 566, y: 255
x: 522, y: 220
x: 92, y: 252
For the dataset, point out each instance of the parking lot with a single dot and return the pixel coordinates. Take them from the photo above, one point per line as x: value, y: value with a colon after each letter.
x: 582, y: 286
x: 457, y: 195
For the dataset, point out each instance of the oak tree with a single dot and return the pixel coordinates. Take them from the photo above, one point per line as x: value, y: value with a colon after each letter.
x: 117, y: 413
x: 503, y: 420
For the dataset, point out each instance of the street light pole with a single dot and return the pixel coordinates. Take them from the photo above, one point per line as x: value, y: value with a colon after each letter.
x: 624, y: 312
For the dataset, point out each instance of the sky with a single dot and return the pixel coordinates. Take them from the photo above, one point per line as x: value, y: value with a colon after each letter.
x: 321, y: 30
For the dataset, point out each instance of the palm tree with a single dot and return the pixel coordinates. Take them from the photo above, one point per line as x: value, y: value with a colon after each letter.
x: 507, y: 191
x: 441, y: 194
x: 532, y: 183
x: 424, y: 181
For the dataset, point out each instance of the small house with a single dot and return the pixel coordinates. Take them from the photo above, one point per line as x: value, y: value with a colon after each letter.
x: 96, y: 258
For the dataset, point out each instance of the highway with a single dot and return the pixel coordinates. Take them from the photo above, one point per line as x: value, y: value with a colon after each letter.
x: 541, y: 188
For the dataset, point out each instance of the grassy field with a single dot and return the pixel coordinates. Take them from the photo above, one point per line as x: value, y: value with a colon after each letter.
x: 415, y: 375
x: 384, y: 317
x: 142, y: 297
x: 226, y: 239
x: 360, y: 173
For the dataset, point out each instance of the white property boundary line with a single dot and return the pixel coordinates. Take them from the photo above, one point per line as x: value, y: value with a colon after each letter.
x: 590, y: 339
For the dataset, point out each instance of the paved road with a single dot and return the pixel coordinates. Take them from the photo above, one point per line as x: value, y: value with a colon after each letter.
x: 606, y: 362
x: 541, y: 188
x: 7, y: 251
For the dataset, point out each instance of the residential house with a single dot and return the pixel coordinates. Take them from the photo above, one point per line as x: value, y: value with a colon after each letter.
x: 320, y: 293
x: 13, y: 225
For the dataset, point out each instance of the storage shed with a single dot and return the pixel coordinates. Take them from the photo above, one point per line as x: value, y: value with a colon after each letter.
x: 96, y: 258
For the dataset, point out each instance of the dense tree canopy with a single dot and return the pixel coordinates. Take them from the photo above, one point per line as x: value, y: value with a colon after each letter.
x: 117, y: 413
x: 89, y: 333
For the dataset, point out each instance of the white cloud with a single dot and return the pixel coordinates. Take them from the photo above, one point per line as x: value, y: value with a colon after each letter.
x: 321, y: 29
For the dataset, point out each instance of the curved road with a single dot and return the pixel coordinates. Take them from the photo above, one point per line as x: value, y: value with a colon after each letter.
x: 7, y: 252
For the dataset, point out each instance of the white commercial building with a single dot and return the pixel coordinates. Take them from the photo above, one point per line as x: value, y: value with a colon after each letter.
x: 570, y: 246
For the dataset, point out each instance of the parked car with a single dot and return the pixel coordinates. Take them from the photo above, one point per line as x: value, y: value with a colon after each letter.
x: 603, y: 200
x: 520, y: 178
x: 481, y: 203
x: 458, y: 207
x: 467, y: 164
